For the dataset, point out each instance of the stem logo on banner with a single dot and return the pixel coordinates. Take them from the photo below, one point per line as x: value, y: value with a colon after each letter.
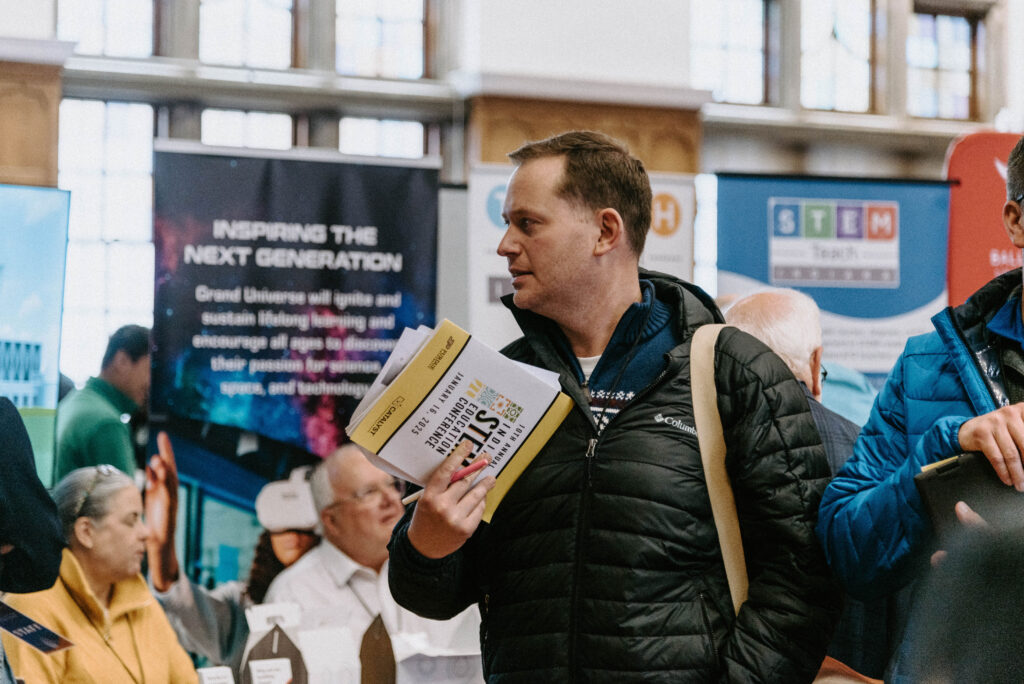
x: 283, y: 284
x: 871, y: 253
x: 838, y: 243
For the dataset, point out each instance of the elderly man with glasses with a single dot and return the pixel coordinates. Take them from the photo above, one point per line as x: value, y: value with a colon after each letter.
x: 341, y: 585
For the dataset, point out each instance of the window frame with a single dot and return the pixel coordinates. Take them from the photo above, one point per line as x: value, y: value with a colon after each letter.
x: 975, y: 21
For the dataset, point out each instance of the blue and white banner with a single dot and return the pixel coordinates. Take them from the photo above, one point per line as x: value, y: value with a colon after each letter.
x: 33, y: 249
x: 872, y: 254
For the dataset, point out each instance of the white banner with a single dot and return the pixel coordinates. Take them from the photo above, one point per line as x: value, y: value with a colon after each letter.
x: 487, y: 272
x: 669, y: 246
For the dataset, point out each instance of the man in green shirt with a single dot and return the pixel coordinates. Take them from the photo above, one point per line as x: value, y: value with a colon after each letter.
x: 92, y: 423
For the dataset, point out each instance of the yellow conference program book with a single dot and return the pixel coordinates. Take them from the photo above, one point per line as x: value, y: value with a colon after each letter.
x: 440, y: 387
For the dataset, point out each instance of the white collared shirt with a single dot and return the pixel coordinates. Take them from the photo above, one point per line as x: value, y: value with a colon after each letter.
x: 331, y: 589
x: 340, y: 598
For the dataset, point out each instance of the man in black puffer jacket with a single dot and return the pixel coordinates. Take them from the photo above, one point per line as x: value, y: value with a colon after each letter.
x: 602, y: 562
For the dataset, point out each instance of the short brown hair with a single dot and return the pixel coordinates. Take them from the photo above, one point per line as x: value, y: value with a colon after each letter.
x: 599, y: 172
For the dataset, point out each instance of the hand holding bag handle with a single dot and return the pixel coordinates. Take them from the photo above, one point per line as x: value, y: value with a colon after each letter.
x: 712, y: 454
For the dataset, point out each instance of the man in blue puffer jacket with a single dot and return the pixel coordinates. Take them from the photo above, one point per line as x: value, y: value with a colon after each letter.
x: 956, y: 389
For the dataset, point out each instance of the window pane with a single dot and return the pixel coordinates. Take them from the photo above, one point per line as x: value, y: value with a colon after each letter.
x: 104, y: 160
x: 234, y: 128
x: 269, y: 41
x: 402, y: 49
x: 129, y: 137
x: 922, y: 46
x: 835, y: 55
x: 228, y: 542
x: 272, y: 131
x: 357, y: 136
x: 379, y: 38
x: 221, y: 31
x: 350, y: 9
x: 85, y: 221
x: 81, y: 21
x: 357, y: 46
x: 222, y: 127
x: 81, y: 138
x: 401, y: 139
x: 397, y: 10
x: 118, y: 28
x: 129, y: 208
x: 727, y: 50
x: 922, y: 97
x: 85, y: 278
x: 373, y: 137
x: 82, y: 343
x: 739, y: 88
x: 954, y: 95
x: 129, y: 28
x: 254, y: 33
x: 939, y: 75
x: 130, y: 279
x: 954, y: 43
x: 116, y: 318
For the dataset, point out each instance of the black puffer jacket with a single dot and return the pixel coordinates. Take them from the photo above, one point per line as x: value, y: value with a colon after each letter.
x: 602, y: 563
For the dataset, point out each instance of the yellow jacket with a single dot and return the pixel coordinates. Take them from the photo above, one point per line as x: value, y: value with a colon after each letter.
x: 132, y: 642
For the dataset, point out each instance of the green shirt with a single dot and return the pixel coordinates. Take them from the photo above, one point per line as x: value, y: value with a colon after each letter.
x: 92, y: 428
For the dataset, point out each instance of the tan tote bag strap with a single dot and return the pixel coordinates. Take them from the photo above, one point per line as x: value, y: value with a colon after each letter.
x: 712, y: 454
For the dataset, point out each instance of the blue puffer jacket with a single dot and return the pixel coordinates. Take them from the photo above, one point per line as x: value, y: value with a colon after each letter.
x: 871, y: 521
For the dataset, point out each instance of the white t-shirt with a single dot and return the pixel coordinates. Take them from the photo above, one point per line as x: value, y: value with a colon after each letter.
x: 588, y: 364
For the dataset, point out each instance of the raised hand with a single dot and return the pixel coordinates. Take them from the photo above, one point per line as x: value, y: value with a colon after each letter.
x: 161, y: 509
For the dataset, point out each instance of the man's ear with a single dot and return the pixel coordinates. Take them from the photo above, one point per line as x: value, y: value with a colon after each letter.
x: 121, y: 360
x: 613, y: 231
x: 326, y: 522
x: 816, y: 372
x: 1013, y: 221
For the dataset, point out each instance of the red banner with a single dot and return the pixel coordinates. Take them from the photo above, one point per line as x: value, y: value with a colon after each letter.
x: 979, y: 248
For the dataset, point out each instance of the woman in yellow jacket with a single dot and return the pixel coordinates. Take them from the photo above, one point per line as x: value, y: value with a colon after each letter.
x: 100, y: 601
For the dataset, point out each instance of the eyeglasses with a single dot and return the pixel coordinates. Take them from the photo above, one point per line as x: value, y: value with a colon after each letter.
x: 1019, y: 198
x: 824, y: 373
x: 102, y: 470
x: 374, y: 493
